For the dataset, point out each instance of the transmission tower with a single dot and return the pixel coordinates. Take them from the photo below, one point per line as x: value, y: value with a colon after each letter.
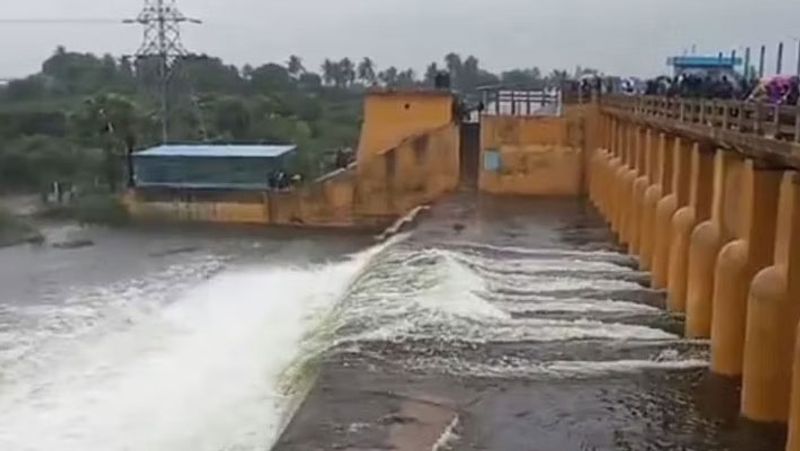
x: 161, y: 20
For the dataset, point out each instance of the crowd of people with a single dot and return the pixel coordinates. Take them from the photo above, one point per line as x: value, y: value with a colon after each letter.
x: 776, y: 90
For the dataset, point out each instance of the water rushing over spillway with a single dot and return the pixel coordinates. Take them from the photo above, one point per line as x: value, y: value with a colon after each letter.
x: 190, y: 356
x: 498, y: 323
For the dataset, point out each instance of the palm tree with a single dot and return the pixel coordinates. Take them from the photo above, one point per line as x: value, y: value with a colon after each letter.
x: 348, y: 71
x: 329, y: 72
x: 295, y: 66
x: 389, y: 77
x: 366, y: 71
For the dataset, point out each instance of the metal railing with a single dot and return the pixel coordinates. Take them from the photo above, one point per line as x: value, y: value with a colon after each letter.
x: 781, y: 122
x: 521, y: 102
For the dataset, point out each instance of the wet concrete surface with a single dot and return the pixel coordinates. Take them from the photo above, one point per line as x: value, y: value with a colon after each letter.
x: 514, y: 325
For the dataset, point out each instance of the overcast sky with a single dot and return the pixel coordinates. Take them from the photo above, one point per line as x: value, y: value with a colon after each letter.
x: 630, y: 37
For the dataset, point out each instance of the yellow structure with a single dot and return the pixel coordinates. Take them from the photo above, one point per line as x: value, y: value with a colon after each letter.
x: 652, y: 195
x: 640, y: 185
x: 534, y: 156
x: 707, y: 241
x: 685, y: 221
x: 677, y: 197
x: 772, y: 318
x: 391, y: 117
x: 708, y: 221
x: 738, y: 263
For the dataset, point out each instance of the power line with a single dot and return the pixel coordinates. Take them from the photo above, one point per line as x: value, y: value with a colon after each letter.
x: 161, y: 21
x: 50, y: 21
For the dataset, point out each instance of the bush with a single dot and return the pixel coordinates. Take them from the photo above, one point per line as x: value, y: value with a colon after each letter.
x: 14, y: 230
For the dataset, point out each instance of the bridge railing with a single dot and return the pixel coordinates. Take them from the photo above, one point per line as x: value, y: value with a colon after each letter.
x: 768, y: 120
x: 521, y: 101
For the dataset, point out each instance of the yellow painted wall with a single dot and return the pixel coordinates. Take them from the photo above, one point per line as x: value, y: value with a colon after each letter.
x: 539, y: 155
x: 220, y: 212
x: 419, y: 170
x: 390, y: 117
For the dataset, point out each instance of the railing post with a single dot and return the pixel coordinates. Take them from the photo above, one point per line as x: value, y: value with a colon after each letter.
x: 725, y: 115
x: 777, y: 119
x: 513, y: 103
x: 740, y: 118
x: 797, y: 119
x: 757, y: 118
x: 702, y: 112
x: 682, y: 104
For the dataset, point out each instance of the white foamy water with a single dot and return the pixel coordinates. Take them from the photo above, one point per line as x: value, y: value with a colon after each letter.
x: 188, y: 360
x: 433, y: 294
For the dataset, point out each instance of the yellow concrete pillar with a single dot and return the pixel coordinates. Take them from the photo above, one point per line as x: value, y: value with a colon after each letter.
x: 606, y: 188
x: 737, y: 264
x: 644, y: 171
x: 773, y: 312
x: 651, y: 197
x: 613, y: 166
x: 707, y: 240
x: 619, y: 171
x: 599, y: 165
x: 676, y: 196
x: 628, y: 176
x: 701, y: 192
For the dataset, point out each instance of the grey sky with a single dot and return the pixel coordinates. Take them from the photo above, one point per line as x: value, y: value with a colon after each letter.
x: 630, y: 37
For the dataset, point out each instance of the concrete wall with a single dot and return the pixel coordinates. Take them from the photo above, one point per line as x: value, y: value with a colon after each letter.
x: 326, y: 203
x: 536, y: 156
x: 417, y: 171
x: 391, y: 117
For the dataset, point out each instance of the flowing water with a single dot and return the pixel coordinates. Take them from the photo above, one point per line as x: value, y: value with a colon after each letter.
x: 175, y: 340
x: 159, y: 341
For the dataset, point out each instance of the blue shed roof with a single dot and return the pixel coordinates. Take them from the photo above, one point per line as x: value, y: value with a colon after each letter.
x: 217, y: 151
x: 704, y: 61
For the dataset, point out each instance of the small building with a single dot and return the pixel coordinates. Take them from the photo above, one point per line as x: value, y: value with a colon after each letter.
x: 713, y: 66
x: 210, y: 167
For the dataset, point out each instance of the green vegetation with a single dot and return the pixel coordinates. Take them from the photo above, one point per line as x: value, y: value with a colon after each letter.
x: 76, y: 120
x: 14, y: 230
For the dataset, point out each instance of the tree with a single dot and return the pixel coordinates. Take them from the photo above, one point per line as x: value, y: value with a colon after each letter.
x: 557, y: 78
x: 330, y: 71
x: 406, y: 78
x: 295, y: 66
x: 431, y: 73
x: 232, y: 118
x: 469, y: 74
x: 389, y: 77
x: 453, y: 63
x: 110, y: 122
x: 347, y: 72
x: 270, y: 77
x: 527, y: 78
x: 366, y: 71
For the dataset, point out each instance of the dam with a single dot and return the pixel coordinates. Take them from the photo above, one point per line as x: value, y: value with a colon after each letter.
x: 615, y: 274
